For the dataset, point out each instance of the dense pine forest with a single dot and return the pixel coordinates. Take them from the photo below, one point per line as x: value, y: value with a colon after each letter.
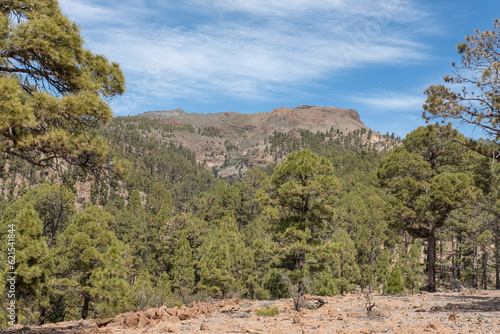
x: 102, y: 215
x: 333, y: 217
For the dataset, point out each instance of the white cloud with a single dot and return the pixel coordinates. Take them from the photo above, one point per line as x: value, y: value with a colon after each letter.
x: 390, y: 101
x: 246, y: 48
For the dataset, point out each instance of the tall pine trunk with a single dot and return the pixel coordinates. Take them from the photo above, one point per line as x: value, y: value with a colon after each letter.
x: 484, y: 264
x: 86, y: 304
x: 474, y: 267
x: 497, y: 264
x: 453, y: 261
x: 431, y: 260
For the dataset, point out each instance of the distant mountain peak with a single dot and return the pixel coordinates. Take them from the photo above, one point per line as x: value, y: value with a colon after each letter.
x: 221, y: 139
x: 173, y: 112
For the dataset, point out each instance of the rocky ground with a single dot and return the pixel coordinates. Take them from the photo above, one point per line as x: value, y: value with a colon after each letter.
x: 470, y: 311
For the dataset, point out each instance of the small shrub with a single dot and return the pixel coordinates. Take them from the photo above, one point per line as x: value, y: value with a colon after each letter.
x: 268, y: 311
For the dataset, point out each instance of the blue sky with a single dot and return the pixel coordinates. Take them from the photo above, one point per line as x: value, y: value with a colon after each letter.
x: 374, y: 56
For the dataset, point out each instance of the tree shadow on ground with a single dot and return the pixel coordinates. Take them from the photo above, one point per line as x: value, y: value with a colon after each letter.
x: 472, y: 303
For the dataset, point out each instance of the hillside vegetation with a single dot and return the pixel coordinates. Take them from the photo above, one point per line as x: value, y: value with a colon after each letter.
x: 329, y: 214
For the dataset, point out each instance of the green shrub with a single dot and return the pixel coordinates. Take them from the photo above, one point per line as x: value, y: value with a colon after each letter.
x: 268, y: 311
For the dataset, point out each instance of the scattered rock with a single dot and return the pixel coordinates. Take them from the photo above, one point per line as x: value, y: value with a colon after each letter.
x: 365, y: 330
x: 433, y: 325
x: 297, y: 319
x: 352, y: 314
x: 167, y: 329
x: 143, y: 320
x: 184, y: 316
x: 172, y: 310
x: 153, y: 313
x: 469, y: 292
x: 230, y: 309
x: 335, y: 314
x: 131, y: 320
x: 476, y: 315
x: 378, y: 312
x: 104, y: 322
x: 452, y: 307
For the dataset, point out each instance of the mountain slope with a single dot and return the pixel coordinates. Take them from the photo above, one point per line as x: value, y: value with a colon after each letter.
x: 232, y: 143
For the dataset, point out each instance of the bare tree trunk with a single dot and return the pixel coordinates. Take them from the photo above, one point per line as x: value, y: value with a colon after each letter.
x: 497, y: 264
x: 497, y: 268
x: 431, y: 261
x: 441, y: 270
x: 459, y: 256
x: 453, y: 261
x: 41, y: 317
x: 474, y: 268
x: 484, y: 276
x: 86, y: 304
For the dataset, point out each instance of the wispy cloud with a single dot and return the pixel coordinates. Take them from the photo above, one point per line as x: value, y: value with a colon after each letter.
x: 390, y: 101
x: 245, y: 48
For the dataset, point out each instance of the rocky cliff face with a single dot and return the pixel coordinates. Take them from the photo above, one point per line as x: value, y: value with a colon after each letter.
x: 280, y: 119
x: 234, y: 143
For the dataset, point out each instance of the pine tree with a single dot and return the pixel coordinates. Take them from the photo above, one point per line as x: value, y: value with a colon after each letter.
x: 362, y: 212
x: 346, y: 270
x: 109, y: 283
x: 53, y: 91
x: 33, y: 264
x: 90, y: 261
x: 411, y: 268
x: 479, y: 68
x: 226, y: 263
x: 304, y: 190
x: 183, y: 269
x: 425, y: 177
x: 383, y: 266
x: 395, y: 283
x: 55, y: 205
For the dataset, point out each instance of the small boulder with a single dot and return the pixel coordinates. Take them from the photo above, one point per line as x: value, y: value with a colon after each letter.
x: 143, y: 320
x: 104, y: 322
x: 297, y: 319
x: 436, y: 309
x: 167, y: 329
x: 172, y: 310
x: 130, y: 320
x: 434, y: 325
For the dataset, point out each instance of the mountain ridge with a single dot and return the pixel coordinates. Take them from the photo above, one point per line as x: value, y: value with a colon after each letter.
x: 234, y: 142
